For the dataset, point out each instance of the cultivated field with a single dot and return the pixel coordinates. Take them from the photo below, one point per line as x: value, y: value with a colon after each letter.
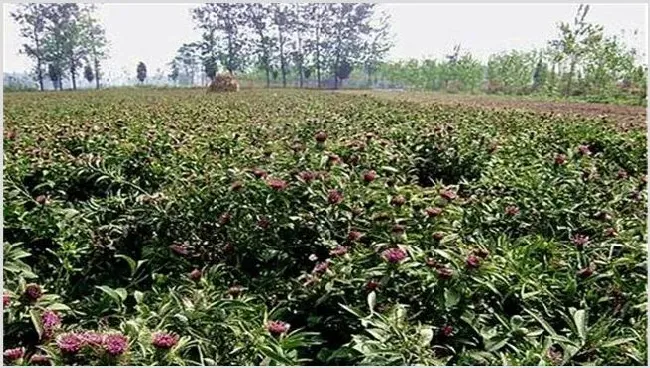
x: 276, y: 227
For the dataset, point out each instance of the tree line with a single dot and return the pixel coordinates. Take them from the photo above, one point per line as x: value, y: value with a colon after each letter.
x: 580, y: 61
x: 64, y: 40
x: 315, y: 40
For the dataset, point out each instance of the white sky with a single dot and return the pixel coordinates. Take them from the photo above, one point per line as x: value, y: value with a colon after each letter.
x: 153, y: 32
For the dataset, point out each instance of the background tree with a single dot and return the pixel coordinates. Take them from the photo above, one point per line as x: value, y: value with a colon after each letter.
x: 55, y: 74
x: 574, y: 42
x: 319, y: 24
x: 259, y: 18
x: 95, y: 40
x: 141, y: 71
x: 350, y: 26
x: 282, y: 19
x: 31, y: 21
x: 205, y: 20
x: 88, y: 73
x: 377, y: 46
x: 188, y: 60
x: 173, y: 74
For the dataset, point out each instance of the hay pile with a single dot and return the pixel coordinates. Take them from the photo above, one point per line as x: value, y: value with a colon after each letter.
x: 224, y: 83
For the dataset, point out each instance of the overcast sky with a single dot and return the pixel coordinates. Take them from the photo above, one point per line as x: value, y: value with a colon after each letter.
x: 152, y: 32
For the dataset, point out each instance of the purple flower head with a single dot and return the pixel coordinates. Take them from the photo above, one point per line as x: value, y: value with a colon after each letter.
x: 584, y: 149
x: 398, y: 201
x: 320, y: 137
x: 446, y: 331
x: 179, y: 249
x: 33, y: 292
x: 39, y: 359
x: 277, y: 327
x: 11, y: 355
x: 339, y: 251
x: 354, y: 235
x: 369, y: 176
x: 444, y: 272
x: 50, y: 320
x: 334, y: 197
x: 433, y: 211
x: 307, y: 176
x: 163, y: 340
x: 196, y: 274
x: 512, y: 210
x: 580, y: 240
x: 6, y: 300
x: 448, y: 195
x: 91, y: 338
x: 321, y: 267
x: 115, y: 344
x: 69, y: 343
x: 393, y: 255
x: 277, y: 184
x: 473, y: 261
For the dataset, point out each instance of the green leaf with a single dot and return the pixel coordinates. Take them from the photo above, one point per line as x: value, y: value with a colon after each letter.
x: 58, y: 307
x: 129, y: 260
x: 616, y: 342
x: 426, y: 335
x: 451, y: 298
x: 36, y: 321
x: 579, y: 318
x: 139, y: 296
x: 496, y: 343
x: 372, y: 301
x: 121, y: 292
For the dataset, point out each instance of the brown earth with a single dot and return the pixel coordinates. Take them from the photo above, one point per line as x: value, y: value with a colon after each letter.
x: 625, y: 117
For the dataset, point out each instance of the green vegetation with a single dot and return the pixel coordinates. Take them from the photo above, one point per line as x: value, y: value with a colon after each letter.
x: 164, y: 227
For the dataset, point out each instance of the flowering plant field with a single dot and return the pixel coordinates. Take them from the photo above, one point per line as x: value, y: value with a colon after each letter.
x: 182, y: 228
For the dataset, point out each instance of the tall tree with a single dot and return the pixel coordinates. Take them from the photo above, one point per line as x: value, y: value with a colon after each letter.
x: 88, y: 73
x: 574, y: 42
x: 259, y: 18
x: 350, y: 26
x: 204, y: 18
x: 188, y: 58
x: 141, y: 71
x: 377, y: 45
x: 282, y: 19
x: 95, y: 40
x: 55, y: 74
x: 300, y: 26
x: 174, y: 72
x: 64, y: 44
x: 223, y: 26
x: 31, y: 20
x: 316, y: 43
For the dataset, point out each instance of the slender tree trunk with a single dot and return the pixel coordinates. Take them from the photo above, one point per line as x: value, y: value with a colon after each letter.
x: 336, y: 67
x: 318, y: 55
x: 300, y: 69
x: 569, y: 82
x: 282, y: 62
x: 268, y: 75
x: 96, y: 72
x: 40, y: 74
x: 73, y: 73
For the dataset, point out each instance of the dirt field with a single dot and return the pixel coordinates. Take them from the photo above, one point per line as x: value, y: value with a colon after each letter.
x: 625, y: 117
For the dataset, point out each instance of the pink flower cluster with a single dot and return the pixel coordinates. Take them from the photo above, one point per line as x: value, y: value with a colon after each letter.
x: 113, y: 343
x: 277, y: 327
x: 11, y: 355
x: 394, y: 255
x: 163, y: 340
